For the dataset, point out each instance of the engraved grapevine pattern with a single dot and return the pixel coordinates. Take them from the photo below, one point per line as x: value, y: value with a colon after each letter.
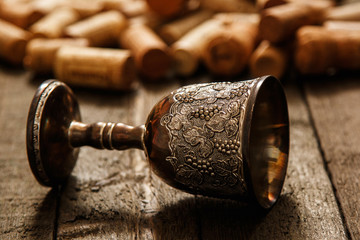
x: 205, y: 127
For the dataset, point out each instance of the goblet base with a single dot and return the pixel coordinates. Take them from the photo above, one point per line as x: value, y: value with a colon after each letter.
x: 50, y: 155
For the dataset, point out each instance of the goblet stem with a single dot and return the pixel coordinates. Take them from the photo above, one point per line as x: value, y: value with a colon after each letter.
x: 103, y: 135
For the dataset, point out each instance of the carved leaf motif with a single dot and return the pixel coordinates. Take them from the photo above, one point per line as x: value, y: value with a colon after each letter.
x: 193, y: 135
x: 208, y: 133
x: 231, y: 179
x: 184, y: 109
x: 219, y: 86
x: 234, y: 108
x: 187, y: 150
x: 205, y: 149
x: 175, y: 141
x: 201, y: 95
x: 216, y: 123
x: 231, y: 127
x: 222, y: 94
x: 189, y: 175
x: 176, y: 123
x: 172, y: 160
x: 165, y: 119
x: 211, y: 100
x: 233, y: 162
x: 221, y: 168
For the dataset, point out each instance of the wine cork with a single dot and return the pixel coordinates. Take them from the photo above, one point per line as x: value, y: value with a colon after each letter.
x: 243, y: 6
x: 53, y: 24
x: 134, y: 8
x: 166, y: 8
x: 13, y: 42
x: 102, y: 30
x: 85, y: 8
x: 150, y: 52
x: 268, y: 59
x: 348, y: 12
x: 238, y: 17
x: 148, y: 19
x: 96, y: 67
x: 263, y: 4
x: 320, y: 49
x: 280, y: 23
x: 253, y: 18
x: 342, y: 25
x: 173, y: 31
x: 46, y: 7
x: 19, y: 14
x: 228, y: 48
x: 40, y: 53
x: 113, y: 4
x: 186, y: 52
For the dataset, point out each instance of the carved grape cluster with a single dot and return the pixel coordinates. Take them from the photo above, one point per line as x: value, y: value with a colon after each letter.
x: 239, y: 92
x: 205, y: 112
x: 203, y: 166
x: 228, y: 147
x: 184, y: 97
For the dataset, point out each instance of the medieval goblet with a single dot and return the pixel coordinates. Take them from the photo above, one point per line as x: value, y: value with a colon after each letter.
x: 227, y: 140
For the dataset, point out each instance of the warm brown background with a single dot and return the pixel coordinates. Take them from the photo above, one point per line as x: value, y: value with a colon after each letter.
x: 113, y: 195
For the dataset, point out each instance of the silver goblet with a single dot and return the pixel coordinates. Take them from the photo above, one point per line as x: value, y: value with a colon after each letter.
x: 227, y: 140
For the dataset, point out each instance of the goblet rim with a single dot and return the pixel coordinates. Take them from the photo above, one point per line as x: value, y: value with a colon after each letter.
x: 281, y: 113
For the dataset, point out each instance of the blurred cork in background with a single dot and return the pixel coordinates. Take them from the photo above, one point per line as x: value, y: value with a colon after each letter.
x: 115, y: 43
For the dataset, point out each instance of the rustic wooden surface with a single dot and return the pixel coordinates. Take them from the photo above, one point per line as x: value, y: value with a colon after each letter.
x: 114, y: 195
x: 335, y: 108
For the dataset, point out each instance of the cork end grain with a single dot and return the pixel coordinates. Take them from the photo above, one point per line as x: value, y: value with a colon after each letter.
x: 225, y: 55
x: 17, y: 51
x: 307, y: 44
x: 270, y: 28
x: 150, y: 52
x: 267, y: 60
x: 155, y: 63
x: 184, y: 62
x: 167, y: 8
x: 13, y: 42
x: 127, y: 74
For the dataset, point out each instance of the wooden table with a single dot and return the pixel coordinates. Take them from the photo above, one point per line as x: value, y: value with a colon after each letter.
x: 114, y: 195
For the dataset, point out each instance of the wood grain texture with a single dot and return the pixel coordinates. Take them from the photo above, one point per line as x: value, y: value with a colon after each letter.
x: 114, y: 195
x: 27, y: 210
x: 335, y: 108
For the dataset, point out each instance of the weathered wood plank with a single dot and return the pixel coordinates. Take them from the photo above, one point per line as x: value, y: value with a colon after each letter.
x: 101, y: 201
x: 114, y: 195
x: 27, y: 210
x: 335, y: 107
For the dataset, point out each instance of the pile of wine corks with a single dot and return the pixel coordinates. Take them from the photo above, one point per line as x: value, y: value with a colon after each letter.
x: 111, y: 43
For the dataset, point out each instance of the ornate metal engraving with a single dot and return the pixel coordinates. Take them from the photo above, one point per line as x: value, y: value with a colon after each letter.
x: 36, y: 130
x: 205, y: 129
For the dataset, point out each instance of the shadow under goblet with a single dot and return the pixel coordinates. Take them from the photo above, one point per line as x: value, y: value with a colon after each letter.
x: 226, y: 140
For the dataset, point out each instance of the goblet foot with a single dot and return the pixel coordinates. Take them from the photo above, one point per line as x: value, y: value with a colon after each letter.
x: 50, y: 155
